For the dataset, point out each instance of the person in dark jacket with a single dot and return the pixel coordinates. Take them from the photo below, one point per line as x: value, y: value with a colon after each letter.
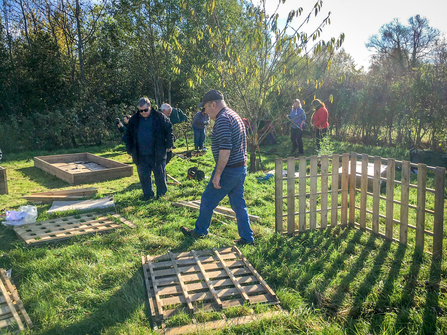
x: 201, y: 119
x: 148, y: 138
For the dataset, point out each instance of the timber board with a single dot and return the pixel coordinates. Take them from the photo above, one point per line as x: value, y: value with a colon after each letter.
x: 3, y: 181
x: 82, y: 168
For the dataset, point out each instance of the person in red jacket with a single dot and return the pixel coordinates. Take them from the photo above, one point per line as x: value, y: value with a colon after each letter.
x: 320, y: 120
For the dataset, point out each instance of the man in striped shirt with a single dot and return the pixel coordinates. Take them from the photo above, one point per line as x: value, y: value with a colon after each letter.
x: 229, y: 147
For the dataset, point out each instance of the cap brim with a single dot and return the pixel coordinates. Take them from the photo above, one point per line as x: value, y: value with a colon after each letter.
x: 201, y: 105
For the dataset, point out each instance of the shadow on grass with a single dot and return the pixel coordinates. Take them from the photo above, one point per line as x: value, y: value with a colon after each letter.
x: 117, y: 309
x: 8, y: 240
x: 42, y: 178
x: 432, y: 309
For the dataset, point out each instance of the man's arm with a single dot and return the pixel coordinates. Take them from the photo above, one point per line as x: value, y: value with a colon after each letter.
x: 224, y: 155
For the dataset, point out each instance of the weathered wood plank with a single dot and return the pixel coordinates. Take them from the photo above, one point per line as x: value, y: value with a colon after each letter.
x: 363, y: 190
x: 324, y: 189
x: 302, y: 194
x: 391, y: 170
x: 420, y: 214
x: 291, y: 195
x: 376, y: 194
x: 344, y: 189
x: 352, y: 187
x: 438, y: 229
x: 313, y: 193
x: 404, y: 201
x: 278, y: 196
x: 334, y: 190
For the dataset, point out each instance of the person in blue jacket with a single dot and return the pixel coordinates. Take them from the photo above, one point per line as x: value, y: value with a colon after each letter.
x: 297, y: 119
x: 201, y: 119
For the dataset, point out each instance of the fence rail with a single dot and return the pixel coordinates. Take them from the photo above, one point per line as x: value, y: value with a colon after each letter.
x: 355, y: 198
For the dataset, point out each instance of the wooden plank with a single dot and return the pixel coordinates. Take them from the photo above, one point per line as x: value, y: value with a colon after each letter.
x: 352, y: 187
x: 290, y: 195
x: 150, y: 297
x: 391, y: 170
x: 195, y: 268
x: 182, y: 284
x: 278, y: 195
x: 324, y: 189
x: 47, y: 167
x: 3, y: 181
x: 187, y: 254
x: 364, y: 190
x: 376, y: 194
x: 218, y: 210
x: 344, y: 189
x: 176, y: 182
x: 313, y: 193
x: 334, y: 190
x: 404, y: 201
x: 155, y: 289
x: 11, y: 306
x: 232, y: 277
x: 125, y: 221
x: 191, y: 260
x: 420, y: 214
x: 207, y: 280
x: 74, y: 191
x: 302, y: 194
x: 229, y: 211
x: 438, y: 228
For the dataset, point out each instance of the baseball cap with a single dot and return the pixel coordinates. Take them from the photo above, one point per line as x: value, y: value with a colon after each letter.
x: 211, y: 95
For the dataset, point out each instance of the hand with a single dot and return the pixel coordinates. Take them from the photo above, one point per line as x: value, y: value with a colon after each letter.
x: 216, y: 182
x: 168, y: 149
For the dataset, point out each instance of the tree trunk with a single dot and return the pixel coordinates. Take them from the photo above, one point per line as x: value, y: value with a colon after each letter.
x: 25, y: 22
x: 253, y: 147
x: 80, y: 42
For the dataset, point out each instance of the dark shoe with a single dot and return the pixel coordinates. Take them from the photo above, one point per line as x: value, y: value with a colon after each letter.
x: 145, y: 198
x: 190, y: 232
x: 242, y: 242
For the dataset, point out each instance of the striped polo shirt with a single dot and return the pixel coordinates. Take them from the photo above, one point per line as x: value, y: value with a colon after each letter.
x: 229, y: 134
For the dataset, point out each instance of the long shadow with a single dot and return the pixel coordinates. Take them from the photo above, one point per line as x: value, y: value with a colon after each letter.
x: 42, y: 178
x: 117, y: 309
x: 384, y: 302
x: 8, y: 240
x: 409, y: 291
x: 432, y: 309
x: 336, y: 300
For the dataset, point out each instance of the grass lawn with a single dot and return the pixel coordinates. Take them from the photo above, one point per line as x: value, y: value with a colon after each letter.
x: 335, y: 281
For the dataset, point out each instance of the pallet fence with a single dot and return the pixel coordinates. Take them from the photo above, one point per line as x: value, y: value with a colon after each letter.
x: 356, y: 198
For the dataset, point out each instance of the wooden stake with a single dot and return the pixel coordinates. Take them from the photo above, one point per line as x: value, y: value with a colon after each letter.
x: 278, y: 195
x: 391, y: 170
x: 420, y: 216
x: 404, y: 201
x: 438, y: 229
x: 334, y: 190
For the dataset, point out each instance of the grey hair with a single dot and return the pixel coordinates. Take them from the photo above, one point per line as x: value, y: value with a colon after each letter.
x: 299, y: 102
x: 165, y: 106
x: 144, y: 101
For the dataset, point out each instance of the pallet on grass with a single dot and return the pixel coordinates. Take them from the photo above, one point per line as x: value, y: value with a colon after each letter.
x: 59, y: 229
x: 82, y: 167
x: 224, y: 211
x: 61, y: 195
x: 3, y: 181
x: 12, y: 313
x: 206, y: 280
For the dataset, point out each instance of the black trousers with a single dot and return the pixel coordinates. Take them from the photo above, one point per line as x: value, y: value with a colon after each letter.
x: 320, y: 133
x: 296, y: 135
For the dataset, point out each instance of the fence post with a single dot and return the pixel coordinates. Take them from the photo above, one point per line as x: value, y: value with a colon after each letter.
x: 376, y: 193
x: 344, y: 189
x: 291, y: 195
x: 352, y: 192
x: 278, y: 195
x: 324, y: 188
x: 313, y: 192
x: 334, y: 190
x: 363, y: 190
x: 302, y: 192
x: 391, y: 171
x: 404, y: 200
x: 420, y: 216
x: 438, y: 229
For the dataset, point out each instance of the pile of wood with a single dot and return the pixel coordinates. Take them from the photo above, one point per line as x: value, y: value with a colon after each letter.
x: 61, y: 195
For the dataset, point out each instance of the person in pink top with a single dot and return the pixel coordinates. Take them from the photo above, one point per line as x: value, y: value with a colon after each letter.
x: 320, y: 120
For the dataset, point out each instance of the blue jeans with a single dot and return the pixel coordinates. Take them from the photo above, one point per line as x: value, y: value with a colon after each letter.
x: 232, y: 184
x: 199, y: 137
x: 145, y: 167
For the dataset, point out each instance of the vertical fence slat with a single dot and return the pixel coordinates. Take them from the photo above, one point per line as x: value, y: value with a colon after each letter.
x: 290, y: 195
x: 302, y: 196
x: 352, y: 192
x: 324, y: 188
x: 391, y: 171
x: 420, y: 216
x: 278, y: 195
x: 313, y: 192
x: 334, y: 189
x: 404, y: 200
x: 363, y: 190
x: 344, y: 189
x: 376, y: 193
x: 438, y: 229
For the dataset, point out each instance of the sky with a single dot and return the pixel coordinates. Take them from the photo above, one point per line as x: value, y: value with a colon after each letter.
x: 361, y: 19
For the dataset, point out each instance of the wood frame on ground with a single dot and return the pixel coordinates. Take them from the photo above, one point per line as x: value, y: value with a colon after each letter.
x: 61, y: 195
x: 12, y: 312
x: 64, y: 167
x: 59, y: 229
x: 3, y: 181
x: 352, y: 206
x: 206, y: 280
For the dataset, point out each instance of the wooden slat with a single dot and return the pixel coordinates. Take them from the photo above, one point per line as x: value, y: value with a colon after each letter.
x: 313, y: 191
x: 207, y: 281
x: 191, y: 260
x: 324, y: 189
x: 155, y: 289
x: 3, y: 181
x: 344, y: 189
x: 438, y: 228
x: 187, y: 254
x: 221, y: 209
x: 364, y: 190
x: 182, y: 284
x: 420, y: 215
x: 290, y: 195
x: 352, y: 186
x: 11, y: 305
x: 334, y: 195
x: 302, y: 194
x: 150, y: 297
x: 232, y: 277
x: 278, y: 195
x: 376, y: 194
x: 391, y: 170
x: 195, y: 268
x: 404, y: 200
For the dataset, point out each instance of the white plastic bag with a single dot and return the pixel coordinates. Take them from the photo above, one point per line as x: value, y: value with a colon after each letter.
x: 28, y: 214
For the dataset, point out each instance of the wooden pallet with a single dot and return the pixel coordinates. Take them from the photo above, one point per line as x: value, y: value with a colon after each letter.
x: 61, y: 195
x: 224, y: 211
x: 66, y: 227
x: 207, y: 280
x: 12, y: 312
